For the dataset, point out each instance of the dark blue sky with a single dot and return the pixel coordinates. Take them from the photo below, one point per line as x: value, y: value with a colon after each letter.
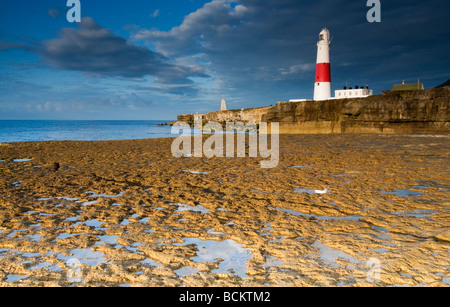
x: 144, y: 59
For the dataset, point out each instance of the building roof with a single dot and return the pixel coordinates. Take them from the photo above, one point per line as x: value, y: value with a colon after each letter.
x: 408, y: 87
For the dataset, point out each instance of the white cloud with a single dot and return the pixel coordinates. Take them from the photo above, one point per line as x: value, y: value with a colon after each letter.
x: 298, y: 68
x: 54, y: 13
x: 155, y: 13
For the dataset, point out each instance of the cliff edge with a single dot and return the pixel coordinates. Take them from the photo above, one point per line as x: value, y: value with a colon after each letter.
x: 426, y: 111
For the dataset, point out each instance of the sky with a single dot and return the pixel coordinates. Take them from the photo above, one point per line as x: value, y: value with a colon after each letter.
x: 154, y: 60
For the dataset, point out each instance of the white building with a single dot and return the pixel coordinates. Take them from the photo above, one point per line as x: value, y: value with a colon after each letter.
x: 357, y: 92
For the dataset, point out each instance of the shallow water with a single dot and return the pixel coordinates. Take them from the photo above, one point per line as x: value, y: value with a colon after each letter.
x: 402, y: 193
x: 198, y: 208
x: 84, y: 255
x: 94, y: 194
x: 416, y: 213
x: 323, y: 217
x: 15, y: 277
x: 22, y: 160
x: 195, y: 172
x: 310, y: 191
x: 94, y: 223
x: 233, y: 256
x: 185, y: 271
x: 330, y: 255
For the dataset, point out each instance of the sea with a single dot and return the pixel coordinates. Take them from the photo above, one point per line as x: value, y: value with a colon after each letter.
x: 82, y: 130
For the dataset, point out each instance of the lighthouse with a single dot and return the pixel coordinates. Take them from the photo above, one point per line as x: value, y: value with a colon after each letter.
x: 322, y: 88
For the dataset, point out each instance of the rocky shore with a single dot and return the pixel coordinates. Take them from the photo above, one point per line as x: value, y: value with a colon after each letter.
x: 339, y: 210
x: 424, y: 111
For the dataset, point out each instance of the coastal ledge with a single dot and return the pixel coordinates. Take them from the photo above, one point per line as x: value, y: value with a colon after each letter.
x: 425, y: 111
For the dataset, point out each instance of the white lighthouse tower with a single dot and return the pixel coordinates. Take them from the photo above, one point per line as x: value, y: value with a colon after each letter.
x: 322, y: 88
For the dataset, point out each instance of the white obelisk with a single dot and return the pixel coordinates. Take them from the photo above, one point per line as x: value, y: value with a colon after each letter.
x: 223, y: 105
x: 322, y: 88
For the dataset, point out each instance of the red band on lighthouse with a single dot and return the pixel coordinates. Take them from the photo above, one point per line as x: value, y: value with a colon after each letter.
x: 323, y: 73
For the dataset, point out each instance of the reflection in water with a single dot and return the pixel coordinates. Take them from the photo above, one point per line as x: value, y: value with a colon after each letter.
x: 232, y: 256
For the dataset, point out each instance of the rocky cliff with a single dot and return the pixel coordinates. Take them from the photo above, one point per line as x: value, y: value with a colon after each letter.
x: 426, y: 111
x: 243, y: 115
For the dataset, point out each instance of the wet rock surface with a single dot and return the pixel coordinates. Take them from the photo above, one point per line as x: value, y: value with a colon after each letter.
x: 339, y: 210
